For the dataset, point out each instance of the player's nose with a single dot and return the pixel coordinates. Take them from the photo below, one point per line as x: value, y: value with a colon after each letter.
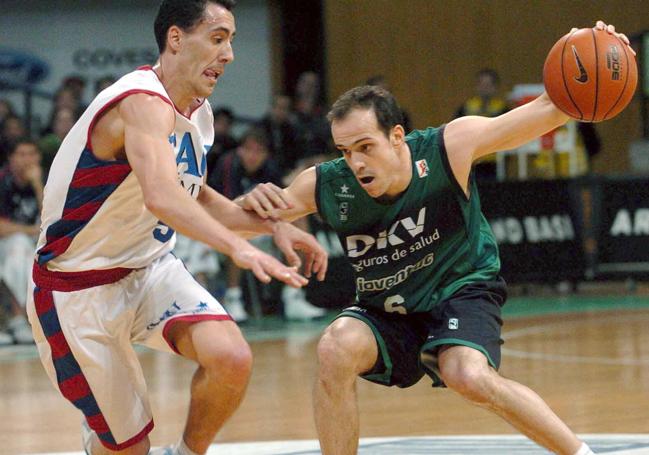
x: 227, y: 54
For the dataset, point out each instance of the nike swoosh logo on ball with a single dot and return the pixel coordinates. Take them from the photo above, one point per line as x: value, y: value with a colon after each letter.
x: 583, y: 75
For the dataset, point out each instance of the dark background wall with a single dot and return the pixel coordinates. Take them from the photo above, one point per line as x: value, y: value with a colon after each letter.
x: 430, y: 49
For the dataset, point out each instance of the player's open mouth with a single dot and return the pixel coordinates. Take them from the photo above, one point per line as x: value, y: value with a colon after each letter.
x: 366, y: 180
x: 213, y: 75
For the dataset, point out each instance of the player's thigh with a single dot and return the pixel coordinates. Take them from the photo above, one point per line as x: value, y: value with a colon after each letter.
x: 471, y: 318
x: 397, y: 339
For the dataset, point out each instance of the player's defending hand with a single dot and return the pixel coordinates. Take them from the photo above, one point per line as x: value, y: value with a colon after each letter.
x: 265, y: 199
x: 289, y: 238
x: 264, y: 266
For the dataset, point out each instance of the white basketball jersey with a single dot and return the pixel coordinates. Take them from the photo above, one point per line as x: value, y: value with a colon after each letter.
x: 94, y: 216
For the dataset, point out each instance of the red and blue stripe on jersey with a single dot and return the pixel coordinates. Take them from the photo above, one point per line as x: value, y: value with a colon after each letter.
x: 92, y: 183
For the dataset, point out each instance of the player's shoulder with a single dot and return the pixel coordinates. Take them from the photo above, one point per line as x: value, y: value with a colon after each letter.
x: 426, y: 135
x: 332, y: 170
x: 142, y: 81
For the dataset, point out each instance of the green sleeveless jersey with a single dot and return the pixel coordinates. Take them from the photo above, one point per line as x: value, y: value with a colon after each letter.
x: 410, y: 254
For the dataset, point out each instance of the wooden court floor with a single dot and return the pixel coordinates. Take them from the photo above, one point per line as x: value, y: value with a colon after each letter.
x: 589, y: 360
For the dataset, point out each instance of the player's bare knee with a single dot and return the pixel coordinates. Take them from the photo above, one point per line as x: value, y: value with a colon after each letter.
x: 342, y: 353
x: 231, y: 364
x: 470, y: 381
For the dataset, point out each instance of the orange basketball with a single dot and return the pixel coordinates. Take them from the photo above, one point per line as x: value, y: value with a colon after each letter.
x: 590, y: 75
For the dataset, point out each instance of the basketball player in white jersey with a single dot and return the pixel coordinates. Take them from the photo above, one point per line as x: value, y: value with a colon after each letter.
x: 127, y: 176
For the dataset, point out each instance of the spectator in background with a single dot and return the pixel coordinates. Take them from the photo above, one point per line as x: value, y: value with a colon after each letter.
x: 281, y: 134
x: 223, y: 139
x: 65, y: 98
x: 104, y: 82
x: 13, y: 129
x: 308, y: 92
x: 6, y: 110
x: 64, y: 120
x: 485, y: 102
x: 21, y: 198
x: 380, y: 81
x: 236, y: 172
x: 313, y: 141
x: 77, y: 84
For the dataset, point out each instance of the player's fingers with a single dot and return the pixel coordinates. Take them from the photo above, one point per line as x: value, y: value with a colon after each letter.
x: 260, y: 195
x: 625, y: 40
x: 286, y: 247
x: 322, y: 264
x: 600, y: 25
x: 278, y: 197
x: 291, y: 277
x: 610, y: 28
x: 260, y: 273
x: 286, y: 274
x: 293, y: 258
x: 256, y: 207
x: 267, y: 196
x: 309, y: 257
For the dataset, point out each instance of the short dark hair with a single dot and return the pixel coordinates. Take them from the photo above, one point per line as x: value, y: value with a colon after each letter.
x: 385, y: 107
x: 257, y: 134
x: 13, y: 146
x: 183, y: 13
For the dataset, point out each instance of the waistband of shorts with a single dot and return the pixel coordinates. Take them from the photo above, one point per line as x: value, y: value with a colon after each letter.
x: 75, y: 281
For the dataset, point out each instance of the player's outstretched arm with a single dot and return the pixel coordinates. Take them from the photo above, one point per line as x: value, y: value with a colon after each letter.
x: 288, y: 204
x: 470, y: 138
x: 287, y: 237
x: 148, y: 121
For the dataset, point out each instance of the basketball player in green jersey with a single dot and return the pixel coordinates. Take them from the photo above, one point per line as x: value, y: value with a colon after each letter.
x: 407, y: 213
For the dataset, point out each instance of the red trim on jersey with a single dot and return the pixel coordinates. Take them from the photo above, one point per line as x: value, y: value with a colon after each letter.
x: 131, y: 442
x: 117, y: 99
x: 193, y: 319
x: 75, y: 281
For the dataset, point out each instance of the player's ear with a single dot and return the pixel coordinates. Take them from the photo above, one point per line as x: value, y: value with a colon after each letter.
x: 174, y: 38
x: 397, y: 136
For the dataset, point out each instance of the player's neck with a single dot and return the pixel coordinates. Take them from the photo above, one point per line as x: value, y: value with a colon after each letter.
x: 404, y: 174
x: 176, y: 87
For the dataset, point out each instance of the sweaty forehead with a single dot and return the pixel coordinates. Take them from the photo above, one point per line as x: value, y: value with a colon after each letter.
x: 217, y: 16
x: 356, y: 125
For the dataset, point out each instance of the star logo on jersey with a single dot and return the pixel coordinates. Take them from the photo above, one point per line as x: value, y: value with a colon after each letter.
x: 344, y: 192
x: 422, y: 168
x: 201, y: 307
